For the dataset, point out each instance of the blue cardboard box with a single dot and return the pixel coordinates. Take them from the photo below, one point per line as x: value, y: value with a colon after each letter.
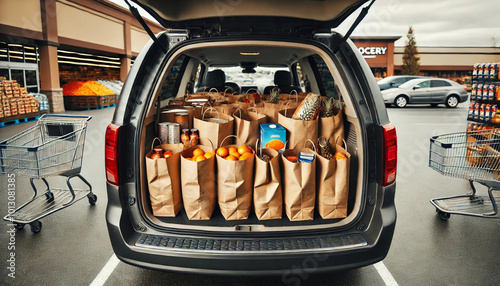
x: 273, y: 136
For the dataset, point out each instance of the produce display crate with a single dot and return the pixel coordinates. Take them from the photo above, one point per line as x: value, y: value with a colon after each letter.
x: 20, y: 117
x: 78, y: 102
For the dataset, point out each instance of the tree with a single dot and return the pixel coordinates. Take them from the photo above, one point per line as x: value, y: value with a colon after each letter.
x: 411, y: 59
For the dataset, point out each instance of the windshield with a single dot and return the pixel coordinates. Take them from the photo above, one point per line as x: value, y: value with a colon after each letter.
x: 385, y: 80
x: 409, y: 83
x: 263, y: 76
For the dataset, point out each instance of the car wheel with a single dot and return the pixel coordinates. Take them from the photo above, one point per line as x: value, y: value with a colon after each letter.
x: 401, y: 101
x: 451, y: 101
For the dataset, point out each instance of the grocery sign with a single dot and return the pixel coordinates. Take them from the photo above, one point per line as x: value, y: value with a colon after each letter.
x: 372, y: 52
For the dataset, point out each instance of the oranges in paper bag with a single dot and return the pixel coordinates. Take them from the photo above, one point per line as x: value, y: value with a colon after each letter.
x: 243, y: 152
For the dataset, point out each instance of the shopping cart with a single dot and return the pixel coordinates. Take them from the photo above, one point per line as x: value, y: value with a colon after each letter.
x: 474, y: 156
x: 53, y: 147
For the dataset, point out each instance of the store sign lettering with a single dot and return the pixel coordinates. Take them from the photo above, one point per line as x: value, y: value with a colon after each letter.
x: 372, y: 52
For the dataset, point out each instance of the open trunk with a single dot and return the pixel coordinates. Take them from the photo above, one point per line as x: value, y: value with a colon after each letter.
x: 315, y: 71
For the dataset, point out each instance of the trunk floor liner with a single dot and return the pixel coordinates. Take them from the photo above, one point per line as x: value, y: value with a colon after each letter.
x: 219, y: 221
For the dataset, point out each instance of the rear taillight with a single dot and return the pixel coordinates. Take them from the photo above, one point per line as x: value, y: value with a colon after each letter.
x: 111, y: 154
x: 390, y: 154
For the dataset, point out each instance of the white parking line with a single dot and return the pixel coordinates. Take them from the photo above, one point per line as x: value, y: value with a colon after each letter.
x: 385, y: 274
x: 106, y: 271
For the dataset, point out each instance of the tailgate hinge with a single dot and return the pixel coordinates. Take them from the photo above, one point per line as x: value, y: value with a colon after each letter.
x: 139, y: 18
x: 360, y: 18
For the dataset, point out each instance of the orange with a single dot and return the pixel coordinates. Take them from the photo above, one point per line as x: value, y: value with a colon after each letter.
x: 199, y: 158
x: 198, y: 152
x: 222, y: 151
x: 208, y: 155
x: 190, y: 159
x: 244, y: 149
x: 232, y: 150
x: 231, y: 158
x: 275, y: 144
x: 245, y: 156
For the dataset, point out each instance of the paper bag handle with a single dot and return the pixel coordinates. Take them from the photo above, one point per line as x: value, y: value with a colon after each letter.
x: 286, y: 106
x: 312, y: 143
x: 153, y: 143
x: 237, y: 110
x: 210, y: 90
x: 210, y: 108
x: 296, y: 95
x: 252, y: 89
x: 254, y: 109
x: 241, y: 143
x: 211, y: 143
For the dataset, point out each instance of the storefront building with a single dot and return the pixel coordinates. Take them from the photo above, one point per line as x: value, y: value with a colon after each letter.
x: 454, y: 63
x: 46, y: 43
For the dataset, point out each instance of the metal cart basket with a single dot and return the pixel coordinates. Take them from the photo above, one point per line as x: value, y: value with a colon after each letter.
x: 53, y: 147
x: 474, y: 156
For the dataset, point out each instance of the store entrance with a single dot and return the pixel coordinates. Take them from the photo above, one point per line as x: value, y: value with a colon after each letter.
x: 379, y: 73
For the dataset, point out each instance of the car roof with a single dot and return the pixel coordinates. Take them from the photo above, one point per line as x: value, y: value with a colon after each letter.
x: 418, y: 80
x: 274, y: 14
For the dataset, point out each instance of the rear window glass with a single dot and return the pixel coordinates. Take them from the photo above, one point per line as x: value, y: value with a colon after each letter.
x: 325, y: 78
x: 439, y: 83
x: 263, y: 76
x: 168, y: 89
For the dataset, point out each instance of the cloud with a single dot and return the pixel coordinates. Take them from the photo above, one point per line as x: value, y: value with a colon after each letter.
x: 435, y: 23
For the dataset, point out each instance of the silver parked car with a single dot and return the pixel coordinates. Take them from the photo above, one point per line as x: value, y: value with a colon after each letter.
x: 395, y: 81
x: 426, y: 90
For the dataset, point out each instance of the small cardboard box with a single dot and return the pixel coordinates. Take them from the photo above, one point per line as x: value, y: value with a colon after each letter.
x: 273, y: 136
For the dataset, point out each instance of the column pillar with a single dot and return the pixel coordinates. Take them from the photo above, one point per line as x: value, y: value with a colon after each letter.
x: 49, y: 76
x: 49, y: 66
x: 125, y: 63
x: 390, y: 58
x: 126, y: 59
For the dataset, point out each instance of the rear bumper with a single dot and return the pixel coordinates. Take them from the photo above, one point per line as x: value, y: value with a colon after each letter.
x: 352, y: 248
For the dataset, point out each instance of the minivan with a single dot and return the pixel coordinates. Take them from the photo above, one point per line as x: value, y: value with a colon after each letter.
x: 288, y: 43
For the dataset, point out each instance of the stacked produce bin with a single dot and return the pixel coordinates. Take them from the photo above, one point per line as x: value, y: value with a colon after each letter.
x: 16, y: 103
x: 89, y: 94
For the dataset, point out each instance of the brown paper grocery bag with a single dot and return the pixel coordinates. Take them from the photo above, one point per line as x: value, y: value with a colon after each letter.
x: 214, y: 126
x: 267, y: 192
x: 332, y: 177
x: 298, y: 131
x: 333, y: 127
x: 198, y: 184
x: 164, y: 182
x: 234, y: 186
x: 299, y: 186
x: 247, y: 126
x: 270, y: 110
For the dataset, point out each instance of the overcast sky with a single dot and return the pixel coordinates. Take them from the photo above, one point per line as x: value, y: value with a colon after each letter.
x: 450, y: 23
x: 462, y: 23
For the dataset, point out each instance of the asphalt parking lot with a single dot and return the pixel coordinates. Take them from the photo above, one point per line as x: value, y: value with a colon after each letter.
x: 73, y: 246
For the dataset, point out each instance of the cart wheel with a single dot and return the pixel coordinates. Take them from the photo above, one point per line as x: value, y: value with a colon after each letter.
x: 50, y: 196
x: 443, y: 215
x: 19, y: 226
x: 36, y: 226
x: 92, y: 198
